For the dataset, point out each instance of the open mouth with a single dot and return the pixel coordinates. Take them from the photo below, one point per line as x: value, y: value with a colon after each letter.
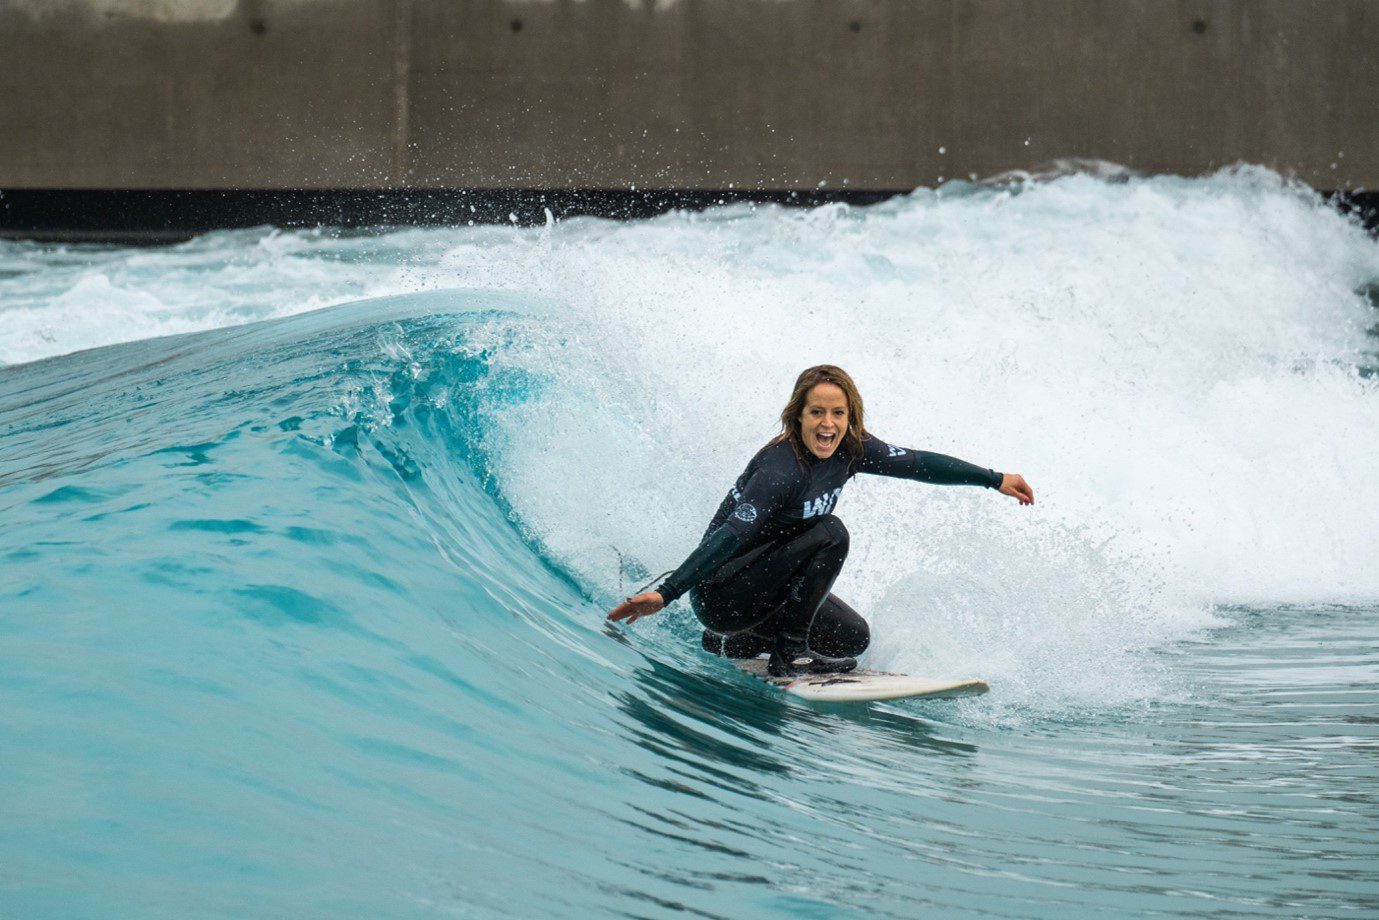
x: 826, y: 441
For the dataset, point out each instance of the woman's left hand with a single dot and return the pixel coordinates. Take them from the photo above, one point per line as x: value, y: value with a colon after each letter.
x: 642, y: 605
x: 1014, y: 485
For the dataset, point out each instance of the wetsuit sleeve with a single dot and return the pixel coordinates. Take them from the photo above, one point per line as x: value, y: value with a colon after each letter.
x: 882, y: 459
x: 758, y: 501
x: 715, y: 549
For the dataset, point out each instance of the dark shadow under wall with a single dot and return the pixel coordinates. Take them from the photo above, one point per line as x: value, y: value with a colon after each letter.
x: 151, y: 217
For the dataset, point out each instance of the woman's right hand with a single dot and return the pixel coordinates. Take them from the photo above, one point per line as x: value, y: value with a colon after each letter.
x: 643, y: 605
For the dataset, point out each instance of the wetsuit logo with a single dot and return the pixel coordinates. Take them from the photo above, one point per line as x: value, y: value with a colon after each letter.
x: 823, y: 504
x: 746, y: 512
x: 894, y: 451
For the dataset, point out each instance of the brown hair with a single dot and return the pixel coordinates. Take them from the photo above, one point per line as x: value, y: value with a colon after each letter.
x: 790, y: 416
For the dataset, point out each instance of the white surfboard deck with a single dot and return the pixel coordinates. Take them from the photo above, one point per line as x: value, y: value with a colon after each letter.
x: 862, y: 685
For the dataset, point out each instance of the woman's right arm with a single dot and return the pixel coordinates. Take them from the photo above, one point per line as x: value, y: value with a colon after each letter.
x: 758, y: 501
x: 715, y: 549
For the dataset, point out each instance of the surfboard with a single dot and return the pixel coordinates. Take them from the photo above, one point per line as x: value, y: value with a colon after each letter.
x: 864, y: 686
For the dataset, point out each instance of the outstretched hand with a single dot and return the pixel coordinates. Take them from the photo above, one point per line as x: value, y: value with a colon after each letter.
x: 1014, y: 485
x: 643, y: 605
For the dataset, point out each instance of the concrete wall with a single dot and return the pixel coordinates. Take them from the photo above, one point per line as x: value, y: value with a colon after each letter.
x: 694, y: 94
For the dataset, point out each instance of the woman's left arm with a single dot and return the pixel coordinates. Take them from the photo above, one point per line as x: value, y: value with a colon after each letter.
x: 882, y: 459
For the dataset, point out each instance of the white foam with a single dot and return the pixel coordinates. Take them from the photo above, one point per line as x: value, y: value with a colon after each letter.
x: 1171, y: 363
x: 56, y: 300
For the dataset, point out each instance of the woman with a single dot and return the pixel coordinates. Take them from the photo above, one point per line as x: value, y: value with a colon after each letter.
x: 760, y: 579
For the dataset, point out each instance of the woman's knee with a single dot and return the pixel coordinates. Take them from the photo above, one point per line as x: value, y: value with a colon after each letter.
x: 833, y: 531
x: 836, y: 639
x: 735, y: 645
x: 859, y: 637
x: 839, y: 631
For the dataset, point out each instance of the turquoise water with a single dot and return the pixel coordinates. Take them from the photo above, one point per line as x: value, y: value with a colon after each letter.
x: 301, y: 609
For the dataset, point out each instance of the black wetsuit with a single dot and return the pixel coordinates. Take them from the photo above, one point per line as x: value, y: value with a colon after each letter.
x: 774, y: 547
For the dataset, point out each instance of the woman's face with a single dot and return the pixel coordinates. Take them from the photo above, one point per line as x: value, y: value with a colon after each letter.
x: 824, y: 420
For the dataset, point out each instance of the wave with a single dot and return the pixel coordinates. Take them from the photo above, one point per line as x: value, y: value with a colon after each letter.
x: 317, y: 601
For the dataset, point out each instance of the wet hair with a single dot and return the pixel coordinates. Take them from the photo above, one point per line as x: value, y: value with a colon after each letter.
x: 790, y: 416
